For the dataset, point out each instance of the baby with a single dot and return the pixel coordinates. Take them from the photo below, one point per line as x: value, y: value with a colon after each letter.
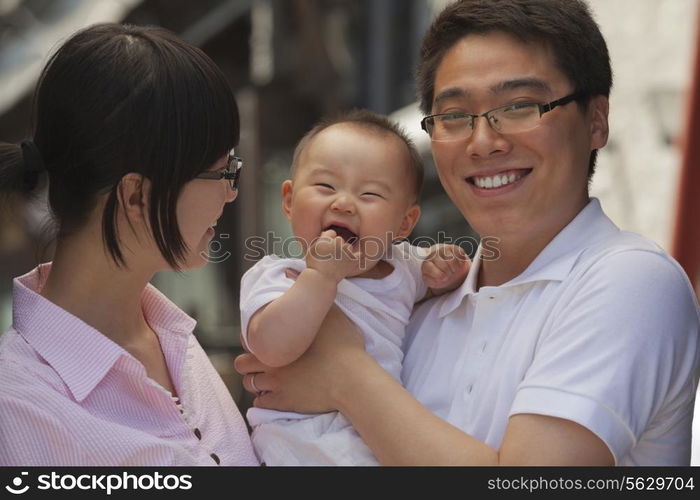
x: 352, y: 195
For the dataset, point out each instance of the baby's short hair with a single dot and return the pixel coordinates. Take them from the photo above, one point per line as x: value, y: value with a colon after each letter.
x: 371, y: 121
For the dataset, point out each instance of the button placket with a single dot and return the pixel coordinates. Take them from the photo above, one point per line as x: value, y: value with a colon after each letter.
x: 486, y: 314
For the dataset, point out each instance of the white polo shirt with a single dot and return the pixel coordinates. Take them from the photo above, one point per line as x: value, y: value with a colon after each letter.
x: 602, y: 329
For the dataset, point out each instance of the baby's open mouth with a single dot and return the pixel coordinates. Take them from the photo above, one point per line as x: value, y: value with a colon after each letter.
x: 344, y: 233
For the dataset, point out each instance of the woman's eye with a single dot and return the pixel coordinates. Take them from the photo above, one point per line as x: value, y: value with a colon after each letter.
x: 324, y: 185
x: 372, y: 194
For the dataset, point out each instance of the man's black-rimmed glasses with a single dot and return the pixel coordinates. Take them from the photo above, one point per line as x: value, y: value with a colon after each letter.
x: 509, y: 119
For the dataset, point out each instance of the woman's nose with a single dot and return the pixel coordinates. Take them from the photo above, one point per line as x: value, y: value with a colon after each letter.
x: 231, y: 194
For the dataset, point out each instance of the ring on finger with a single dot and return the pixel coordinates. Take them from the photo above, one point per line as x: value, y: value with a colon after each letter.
x: 253, y: 386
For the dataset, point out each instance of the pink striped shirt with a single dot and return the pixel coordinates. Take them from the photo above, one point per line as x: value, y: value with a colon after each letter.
x: 71, y: 396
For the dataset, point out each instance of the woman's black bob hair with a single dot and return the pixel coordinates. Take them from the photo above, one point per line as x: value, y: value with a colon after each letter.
x: 116, y: 99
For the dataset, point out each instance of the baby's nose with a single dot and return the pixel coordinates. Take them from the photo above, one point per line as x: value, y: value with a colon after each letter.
x: 343, y: 204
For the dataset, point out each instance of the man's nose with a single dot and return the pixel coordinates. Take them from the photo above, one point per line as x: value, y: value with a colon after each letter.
x: 484, y: 141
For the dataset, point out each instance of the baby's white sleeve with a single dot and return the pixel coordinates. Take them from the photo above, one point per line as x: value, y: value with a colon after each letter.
x: 263, y: 283
x: 411, y: 258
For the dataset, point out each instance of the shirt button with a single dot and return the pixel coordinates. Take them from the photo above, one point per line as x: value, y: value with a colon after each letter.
x: 469, y: 389
x: 198, y: 434
x: 216, y: 458
x: 483, y: 347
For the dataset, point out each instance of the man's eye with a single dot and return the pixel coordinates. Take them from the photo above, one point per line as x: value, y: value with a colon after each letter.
x: 451, y: 117
x: 519, y: 107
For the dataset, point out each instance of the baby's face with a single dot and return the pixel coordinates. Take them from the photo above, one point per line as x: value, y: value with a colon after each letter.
x: 357, y: 182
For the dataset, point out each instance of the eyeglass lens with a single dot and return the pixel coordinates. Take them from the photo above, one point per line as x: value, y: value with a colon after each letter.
x: 507, y: 119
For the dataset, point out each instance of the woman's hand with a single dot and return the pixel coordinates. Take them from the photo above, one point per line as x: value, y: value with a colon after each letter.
x: 312, y: 383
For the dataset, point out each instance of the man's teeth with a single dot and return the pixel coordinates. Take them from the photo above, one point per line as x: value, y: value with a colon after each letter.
x: 496, y: 181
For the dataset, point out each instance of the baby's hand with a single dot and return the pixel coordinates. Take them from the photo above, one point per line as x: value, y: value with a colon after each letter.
x: 333, y: 257
x: 445, y: 268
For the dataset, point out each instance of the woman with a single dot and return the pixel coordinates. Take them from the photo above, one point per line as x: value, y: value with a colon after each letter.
x: 133, y: 128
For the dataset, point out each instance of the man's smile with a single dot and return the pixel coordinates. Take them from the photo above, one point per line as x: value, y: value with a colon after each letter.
x: 498, y: 179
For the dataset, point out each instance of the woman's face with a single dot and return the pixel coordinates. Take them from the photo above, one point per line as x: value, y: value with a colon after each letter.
x: 199, y: 206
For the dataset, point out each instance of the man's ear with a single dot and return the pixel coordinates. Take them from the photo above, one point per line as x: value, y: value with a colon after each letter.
x: 133, y: 196
x: 286, y: 193
x: 599, y: 107
x: 409, y: 221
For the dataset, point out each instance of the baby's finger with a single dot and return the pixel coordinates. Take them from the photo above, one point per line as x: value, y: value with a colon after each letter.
x: 442, y: 265
x: 432, y: 273
x: 330, y: 234
x: 460, y: 253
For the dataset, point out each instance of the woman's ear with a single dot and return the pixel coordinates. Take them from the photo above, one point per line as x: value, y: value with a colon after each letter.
x: 409, y: 221
x: 286, y: 193
x: 133, y: 196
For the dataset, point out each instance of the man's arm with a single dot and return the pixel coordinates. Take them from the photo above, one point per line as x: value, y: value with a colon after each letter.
x: 337, y: 374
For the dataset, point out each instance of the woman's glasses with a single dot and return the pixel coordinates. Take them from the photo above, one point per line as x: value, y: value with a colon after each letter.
x: 231, y: 173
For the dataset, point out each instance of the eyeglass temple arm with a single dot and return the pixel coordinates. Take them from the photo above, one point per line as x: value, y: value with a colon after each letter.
x: 544, y: 108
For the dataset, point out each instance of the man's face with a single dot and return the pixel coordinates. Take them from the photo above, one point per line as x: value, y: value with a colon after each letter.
x: 544, y: 169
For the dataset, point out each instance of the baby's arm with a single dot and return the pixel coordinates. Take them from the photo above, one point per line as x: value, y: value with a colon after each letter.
x: 444, y: 269
x: 281, y: 331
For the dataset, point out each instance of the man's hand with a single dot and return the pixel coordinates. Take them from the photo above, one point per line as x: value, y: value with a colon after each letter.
x: 445, y: 268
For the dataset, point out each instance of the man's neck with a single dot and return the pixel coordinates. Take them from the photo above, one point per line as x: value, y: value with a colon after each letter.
x: 508, y: 255
x: 508, y: 259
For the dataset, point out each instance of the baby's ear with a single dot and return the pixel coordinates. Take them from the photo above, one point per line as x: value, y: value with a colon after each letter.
x: 409, y: 221
x: 286, y: 193
x: 133, y: 195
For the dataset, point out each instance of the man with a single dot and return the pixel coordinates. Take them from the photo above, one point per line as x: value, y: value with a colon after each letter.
x: 574, y: 343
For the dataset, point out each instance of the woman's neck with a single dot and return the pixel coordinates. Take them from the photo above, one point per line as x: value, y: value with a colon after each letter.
x: 88, y: 284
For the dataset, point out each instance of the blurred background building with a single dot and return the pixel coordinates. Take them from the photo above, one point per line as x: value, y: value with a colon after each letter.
x: 291, y: 62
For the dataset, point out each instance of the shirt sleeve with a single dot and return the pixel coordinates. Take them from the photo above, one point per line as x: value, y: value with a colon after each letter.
x: 31, y: 436
x: 620, y: 353
x: 411, y: 259
x: 263, y: 283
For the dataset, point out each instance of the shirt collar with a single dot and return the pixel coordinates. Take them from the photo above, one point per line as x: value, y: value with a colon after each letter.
x: 554, y: 262
x: 80, y: 354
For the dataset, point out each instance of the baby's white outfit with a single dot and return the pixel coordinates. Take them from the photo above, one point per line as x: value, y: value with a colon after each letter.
x: 380, y: 308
